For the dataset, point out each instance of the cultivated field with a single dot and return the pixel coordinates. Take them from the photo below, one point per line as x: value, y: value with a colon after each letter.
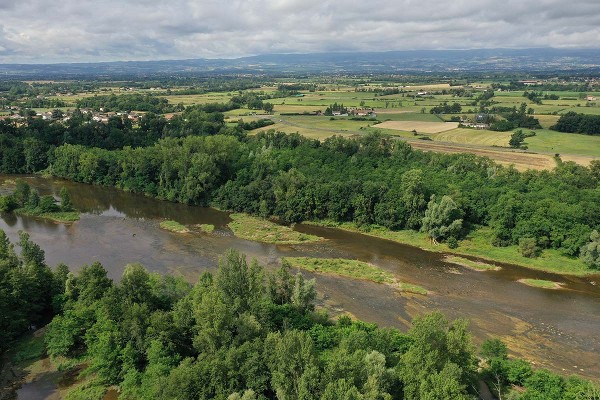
x: 522, y: 161
x: 419, y: 126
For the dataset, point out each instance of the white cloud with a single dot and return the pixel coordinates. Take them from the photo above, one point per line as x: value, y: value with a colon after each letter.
x: 101, y: 30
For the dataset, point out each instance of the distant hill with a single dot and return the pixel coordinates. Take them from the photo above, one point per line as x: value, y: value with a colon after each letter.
x: 412, y: 61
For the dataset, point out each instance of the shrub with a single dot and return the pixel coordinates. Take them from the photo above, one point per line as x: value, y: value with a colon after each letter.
x: 452, y: 242
x: 529, y: 247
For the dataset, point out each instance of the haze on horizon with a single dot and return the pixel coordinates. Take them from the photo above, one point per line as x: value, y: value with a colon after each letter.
x: 44, y: 31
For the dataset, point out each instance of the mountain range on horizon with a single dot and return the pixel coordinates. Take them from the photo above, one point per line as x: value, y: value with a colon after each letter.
x: 540, y: 60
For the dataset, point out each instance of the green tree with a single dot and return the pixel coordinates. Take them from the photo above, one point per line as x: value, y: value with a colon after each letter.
x: 304, y: 294
x: 529, y: 248
x: 267, y: 107
x: 21, y: 192
x: 495, y: 354
x: 35, y: 153
x: 543, y: 385
x: 590, y: 253
x: 293, y: 365
x: 33, y: 201
x: 135, y: 284
x: 443, y: 219
x: 65, y: 199
x: 413, y: 197
x: 517, y: 139
x: 440, y: 361
x: 92, y: 283
x: 341, y: 389
x: 31, y: 253
x: 104, y: 342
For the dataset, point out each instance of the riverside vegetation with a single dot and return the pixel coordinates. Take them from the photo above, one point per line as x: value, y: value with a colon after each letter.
x: 26, y: 201
x: 242, y: 333
x: 368, y: 181
x: 352, y: 269
x: 174, y: 226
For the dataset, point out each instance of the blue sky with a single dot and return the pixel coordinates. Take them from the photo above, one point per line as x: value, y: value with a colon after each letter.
x: 107, y: 30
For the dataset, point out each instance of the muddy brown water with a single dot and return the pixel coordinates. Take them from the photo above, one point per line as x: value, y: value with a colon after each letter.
x: 556, y: 329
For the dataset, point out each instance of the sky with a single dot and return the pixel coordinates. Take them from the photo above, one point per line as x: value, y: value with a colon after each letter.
x: 49, y: 31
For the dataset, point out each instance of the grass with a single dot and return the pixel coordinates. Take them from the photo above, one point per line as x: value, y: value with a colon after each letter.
x: 544, y: 141
x: 549, y: 141
x: 412, y: 288
x: 174, y: 226
x: 353, y: 269
x: 476, y: 244
x: 474, y: 265
x: 408, y: 116
x: 312, y: 133
x: 419, y: 126
x: 261, y: 230
x: 342, y: 267
x: 540, y: 283
x: 29, y: 348
x: 63, y: 217
x: 206, y: 228
x: 474, y: 136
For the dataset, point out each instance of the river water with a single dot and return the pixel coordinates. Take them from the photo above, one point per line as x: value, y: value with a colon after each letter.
x: 556, y: 329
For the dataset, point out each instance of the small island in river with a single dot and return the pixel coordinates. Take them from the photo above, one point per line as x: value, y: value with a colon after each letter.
x: 26, y: 201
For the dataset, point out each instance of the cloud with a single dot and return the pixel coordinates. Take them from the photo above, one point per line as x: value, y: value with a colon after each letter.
x: 103, y: 30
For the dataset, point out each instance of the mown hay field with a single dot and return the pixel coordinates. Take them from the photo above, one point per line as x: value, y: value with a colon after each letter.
x: 419, y: 126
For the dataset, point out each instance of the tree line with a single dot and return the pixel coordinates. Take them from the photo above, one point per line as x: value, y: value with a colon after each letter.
x: 129, y: 102
x: 371, y: 180
x: 572, y: 122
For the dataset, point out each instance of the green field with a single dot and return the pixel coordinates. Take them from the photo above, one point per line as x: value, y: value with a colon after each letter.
x: 401, y: 107
x: 549, y: 141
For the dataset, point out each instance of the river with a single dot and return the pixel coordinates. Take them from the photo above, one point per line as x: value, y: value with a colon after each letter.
x: 556, y: 329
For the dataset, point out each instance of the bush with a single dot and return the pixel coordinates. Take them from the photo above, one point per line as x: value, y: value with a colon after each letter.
x: 529, y: 248
x: 452, y: 242
x: 502, y: 126
x: 47, y: 204
x: 7, y: 204
x: 590, y: 253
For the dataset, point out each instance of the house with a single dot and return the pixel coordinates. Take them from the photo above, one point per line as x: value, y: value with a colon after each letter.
x: 591, y: 98
x: 530, y: 83
x: 483, y: 118
x: 363, y: 113
x: 476, y: 125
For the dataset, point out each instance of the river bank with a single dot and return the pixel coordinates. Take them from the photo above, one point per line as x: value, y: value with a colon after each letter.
x: 555, y: 329
x: 476, y: 244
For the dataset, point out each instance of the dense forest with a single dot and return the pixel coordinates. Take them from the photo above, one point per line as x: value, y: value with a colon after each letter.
x: 370, y: 180
x: 244, y: 333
